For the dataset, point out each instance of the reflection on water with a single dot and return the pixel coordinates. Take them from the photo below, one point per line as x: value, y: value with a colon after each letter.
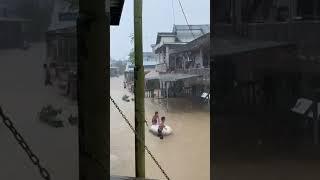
x: 184, y: 155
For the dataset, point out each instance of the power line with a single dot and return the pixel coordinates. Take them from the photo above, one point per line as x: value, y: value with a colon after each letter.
x: 185, y: 17
x: 174, y: 18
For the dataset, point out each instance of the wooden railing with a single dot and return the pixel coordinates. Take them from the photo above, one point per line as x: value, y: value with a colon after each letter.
x: 161, y: 67
x: 204, y: 72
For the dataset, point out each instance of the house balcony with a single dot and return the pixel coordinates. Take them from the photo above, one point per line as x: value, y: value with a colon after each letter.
x: 161, y: 68
x: 203, y: 72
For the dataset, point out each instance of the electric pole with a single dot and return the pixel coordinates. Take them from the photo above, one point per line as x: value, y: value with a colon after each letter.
x: 139, y: 91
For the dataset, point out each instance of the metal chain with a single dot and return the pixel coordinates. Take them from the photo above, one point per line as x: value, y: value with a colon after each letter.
x: 35, y: 160
x: 134, y: 131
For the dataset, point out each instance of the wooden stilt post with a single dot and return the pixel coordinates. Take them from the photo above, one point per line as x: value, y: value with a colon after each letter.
x: 316, y: 99
x: 93, y: 90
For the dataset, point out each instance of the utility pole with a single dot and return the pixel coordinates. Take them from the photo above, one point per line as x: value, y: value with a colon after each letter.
x: 93, y: 87
x: 139, y: 91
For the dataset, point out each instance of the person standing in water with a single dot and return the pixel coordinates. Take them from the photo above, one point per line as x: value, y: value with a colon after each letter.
x: 155, y: 119
x: 47, y: 80
x: 161, y: 126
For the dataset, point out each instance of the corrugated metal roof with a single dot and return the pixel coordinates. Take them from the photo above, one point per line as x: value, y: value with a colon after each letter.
x: 164, y: 34
x: 201, y: 41
x: 204, y: 27
x: 185, y: 33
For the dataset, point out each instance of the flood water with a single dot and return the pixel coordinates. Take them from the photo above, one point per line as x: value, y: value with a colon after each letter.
x: 184, y: 155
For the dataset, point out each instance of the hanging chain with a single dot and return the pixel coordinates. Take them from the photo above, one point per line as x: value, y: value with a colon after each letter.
x: 35, y: 160
x: 134, y: 131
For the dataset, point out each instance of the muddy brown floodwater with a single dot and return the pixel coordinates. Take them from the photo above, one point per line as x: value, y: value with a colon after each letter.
x: 184, y: 155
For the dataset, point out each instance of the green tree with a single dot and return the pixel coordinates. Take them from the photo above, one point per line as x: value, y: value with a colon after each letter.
x: 131, y: 54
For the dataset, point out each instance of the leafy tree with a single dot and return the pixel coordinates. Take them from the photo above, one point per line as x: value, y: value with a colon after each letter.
x: 131, y: 54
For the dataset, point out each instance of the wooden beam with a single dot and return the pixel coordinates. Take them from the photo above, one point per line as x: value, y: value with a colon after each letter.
x: 93, y: 87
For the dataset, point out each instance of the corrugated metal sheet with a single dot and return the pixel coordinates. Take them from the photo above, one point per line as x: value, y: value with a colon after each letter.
x: 201, y: 41
x: 185, y: 33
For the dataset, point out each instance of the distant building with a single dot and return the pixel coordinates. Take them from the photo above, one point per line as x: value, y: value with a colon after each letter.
x: 149, y: 56
x: 180, y: 35
x: 129, y: 72
x: 183, y: 62
x: 12, y: 28
x: 193, y: 58
x: 62, y: 41
x: 114, y: 71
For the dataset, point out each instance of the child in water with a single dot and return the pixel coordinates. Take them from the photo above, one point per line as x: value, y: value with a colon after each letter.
x: 155, y: 119
x: 161, y: 126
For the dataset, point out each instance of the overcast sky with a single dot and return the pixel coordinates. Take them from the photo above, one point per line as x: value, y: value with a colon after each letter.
x: 157, y: 17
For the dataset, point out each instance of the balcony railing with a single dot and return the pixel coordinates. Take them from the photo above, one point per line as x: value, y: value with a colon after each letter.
x: 204, y: 72
x: 161, y: 67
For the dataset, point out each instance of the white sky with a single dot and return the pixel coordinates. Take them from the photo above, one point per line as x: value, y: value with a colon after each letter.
x: 157, y: 17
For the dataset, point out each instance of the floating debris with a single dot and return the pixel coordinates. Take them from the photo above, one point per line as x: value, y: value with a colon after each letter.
x: 125, y: 98
x: 49, y: 115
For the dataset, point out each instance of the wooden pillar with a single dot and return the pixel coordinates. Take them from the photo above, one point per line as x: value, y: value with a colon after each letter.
x: 315, y: 8
x: 236, y: 14
x: 316, y: 99
x: 93, y: 87
x: 201, y: 58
